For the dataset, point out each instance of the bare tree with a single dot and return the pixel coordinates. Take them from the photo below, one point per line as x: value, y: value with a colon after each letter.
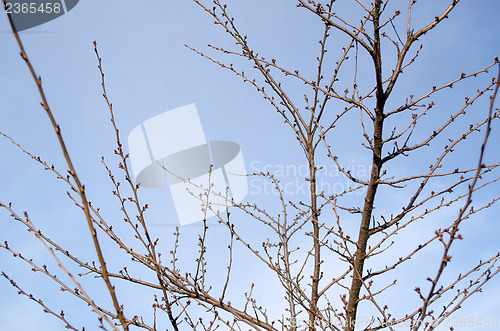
x: 354, y: 254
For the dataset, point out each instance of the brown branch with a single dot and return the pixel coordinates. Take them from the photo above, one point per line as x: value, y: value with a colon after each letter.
x: 72, y: 171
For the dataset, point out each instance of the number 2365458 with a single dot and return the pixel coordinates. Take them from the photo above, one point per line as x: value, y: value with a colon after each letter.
x: 33, y: 8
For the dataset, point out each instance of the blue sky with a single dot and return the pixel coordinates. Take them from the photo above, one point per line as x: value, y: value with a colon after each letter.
x: 149, y: 71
